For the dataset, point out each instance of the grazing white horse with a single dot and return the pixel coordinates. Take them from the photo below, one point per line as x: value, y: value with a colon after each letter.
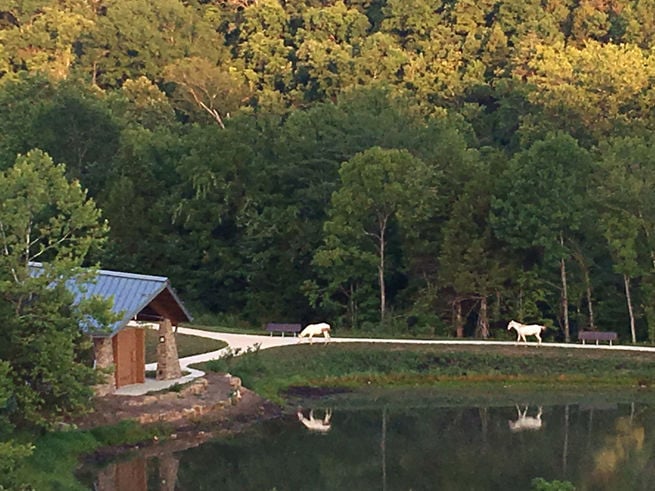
x: 318, y: 425
x: 525, y: 422
x: 311, y: 330
x: 523, y: 330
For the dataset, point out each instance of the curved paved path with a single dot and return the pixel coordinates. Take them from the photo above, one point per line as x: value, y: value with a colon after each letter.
x: 245, y: 341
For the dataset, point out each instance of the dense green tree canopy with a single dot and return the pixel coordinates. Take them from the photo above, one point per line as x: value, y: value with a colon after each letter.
x: 379, y: 189
x: 212, y: 134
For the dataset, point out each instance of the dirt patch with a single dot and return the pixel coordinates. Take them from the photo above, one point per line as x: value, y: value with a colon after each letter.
x: 206, y: 404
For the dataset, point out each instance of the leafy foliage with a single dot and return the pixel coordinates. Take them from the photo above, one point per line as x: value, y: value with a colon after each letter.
x: 540, y: 484
x: 43, y: 217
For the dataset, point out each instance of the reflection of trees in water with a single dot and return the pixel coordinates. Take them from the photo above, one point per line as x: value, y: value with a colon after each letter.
x: 627, y: 456
x: 396, y: 449
x: 429, y: 448
x: 131, y: 474
x: 626, y: 441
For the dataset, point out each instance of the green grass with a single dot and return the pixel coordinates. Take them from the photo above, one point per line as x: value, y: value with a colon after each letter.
x: 56, y: 455
x: 186, y: 345
x: 273, y: 371
x: 227, y: 329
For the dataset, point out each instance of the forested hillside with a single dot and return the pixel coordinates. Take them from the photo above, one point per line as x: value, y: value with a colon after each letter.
x: 408, y: 165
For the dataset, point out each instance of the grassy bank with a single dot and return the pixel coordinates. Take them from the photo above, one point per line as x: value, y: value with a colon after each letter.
x: 56, y: 455
x: 272, y: 372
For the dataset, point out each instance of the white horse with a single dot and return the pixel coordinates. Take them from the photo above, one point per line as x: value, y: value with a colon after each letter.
x: 311, y: 330
x: 525, y: 422
x: 523, y: 330
x: 317, y: 425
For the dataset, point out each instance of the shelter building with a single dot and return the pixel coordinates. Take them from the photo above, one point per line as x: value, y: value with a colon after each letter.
x: 138, y: 300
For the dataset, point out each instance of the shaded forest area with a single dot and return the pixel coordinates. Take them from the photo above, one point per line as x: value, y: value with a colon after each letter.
x: 416, y: 166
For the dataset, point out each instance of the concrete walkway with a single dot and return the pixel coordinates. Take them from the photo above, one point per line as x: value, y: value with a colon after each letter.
x: 242, y: 342
x: 239, y: 342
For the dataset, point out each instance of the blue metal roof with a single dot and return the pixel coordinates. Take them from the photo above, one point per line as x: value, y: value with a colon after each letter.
x: 130, y: 292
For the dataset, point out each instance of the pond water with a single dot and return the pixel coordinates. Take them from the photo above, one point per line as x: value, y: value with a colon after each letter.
x: 390, y: 447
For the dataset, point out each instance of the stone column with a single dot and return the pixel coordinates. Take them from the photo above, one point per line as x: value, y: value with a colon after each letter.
x: 104, y: 357
x: 168, y: 363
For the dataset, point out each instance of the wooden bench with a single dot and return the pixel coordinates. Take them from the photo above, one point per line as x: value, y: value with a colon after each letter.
x: 272, y: 327
x: 597, y: 336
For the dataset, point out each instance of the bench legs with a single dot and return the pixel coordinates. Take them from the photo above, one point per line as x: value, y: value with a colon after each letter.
x: 584, y: 341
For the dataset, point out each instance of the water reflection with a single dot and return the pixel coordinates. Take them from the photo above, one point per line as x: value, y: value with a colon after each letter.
x: 620, y: 446
x: 317, y: 425
x: 126, y: 475
x: 398, y: 448
x: 525, y: 422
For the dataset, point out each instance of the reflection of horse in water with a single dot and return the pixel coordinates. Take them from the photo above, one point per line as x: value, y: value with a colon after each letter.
x: 523, y: 330
x: 525, y: 422
x: 313, y: 424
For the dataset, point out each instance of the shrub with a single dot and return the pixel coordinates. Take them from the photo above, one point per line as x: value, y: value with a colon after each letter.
x: 540, y: 484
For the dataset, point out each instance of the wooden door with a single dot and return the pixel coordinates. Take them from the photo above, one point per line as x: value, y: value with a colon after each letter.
x: 129, y: 356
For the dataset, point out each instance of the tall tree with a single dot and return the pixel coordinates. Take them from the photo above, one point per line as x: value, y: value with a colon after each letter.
x: 591, y: 20
x: 380, y: 188
x: 141, y: 104
x: 77, y: 128
x: 137, y: 37
x: 43, y: 38
x: 622, y: 235
x: 21, y: 101
x: 263, y: 46
x: 531, y: 19
x: 142, y: 235
x: 11, y: 452
x: 326, y: 42
x: 66, y: 119
x: 635, y: 23
x: 201, y: 86
x: 43, y: 217
x: 624, y: 182
x: 213, y: 174
x: 543, y: 201
x: 472, y: 266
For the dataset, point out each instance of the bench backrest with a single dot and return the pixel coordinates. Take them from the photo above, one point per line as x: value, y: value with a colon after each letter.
x: 281, y: 327
x: 597, y: 335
